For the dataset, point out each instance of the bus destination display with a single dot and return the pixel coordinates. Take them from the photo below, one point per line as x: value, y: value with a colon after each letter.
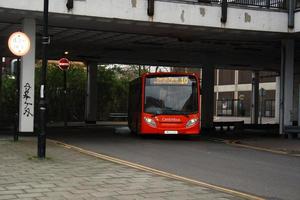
x: 179, y: 80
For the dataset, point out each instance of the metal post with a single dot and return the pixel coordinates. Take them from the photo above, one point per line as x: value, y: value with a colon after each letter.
x: 65, y: 99
x: 16, y: 131
x: 150, y: 10
x: 255, y: 98
x: 261, y: 105
x: 224, y: 6
x: 70, y: 4
x: 268, y: 4
x: 291, y: 13
x: 42, y: 103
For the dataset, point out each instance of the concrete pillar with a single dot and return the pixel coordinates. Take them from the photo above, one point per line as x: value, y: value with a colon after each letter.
x: 277, y: 100
x: 255, y: 98
x: 236, y: 93
x: 1, y: 67
x: 286, y: 84
x: 27, y: 69
x: 299, y: 105
x: 217, y: 91
x: 91, y: 94
x: 207, y: 98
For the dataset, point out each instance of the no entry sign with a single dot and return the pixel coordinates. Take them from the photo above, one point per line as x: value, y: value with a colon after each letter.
x: 63, y: 63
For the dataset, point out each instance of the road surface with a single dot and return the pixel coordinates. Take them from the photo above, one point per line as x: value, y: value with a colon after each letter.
x: 260, y: 173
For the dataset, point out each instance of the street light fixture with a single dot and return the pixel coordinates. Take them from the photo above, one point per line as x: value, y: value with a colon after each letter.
x: 19, y: 45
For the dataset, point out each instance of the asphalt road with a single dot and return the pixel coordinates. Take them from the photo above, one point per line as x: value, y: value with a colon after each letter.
x: 268, y: 175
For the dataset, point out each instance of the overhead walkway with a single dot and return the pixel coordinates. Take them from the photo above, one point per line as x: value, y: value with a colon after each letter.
x: 184, y: 33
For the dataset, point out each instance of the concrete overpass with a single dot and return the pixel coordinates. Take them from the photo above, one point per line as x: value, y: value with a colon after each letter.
x: 178, y: 33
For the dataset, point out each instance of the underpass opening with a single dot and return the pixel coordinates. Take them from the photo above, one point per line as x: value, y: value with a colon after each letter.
x: 112, y: 82
x: 157, y: 45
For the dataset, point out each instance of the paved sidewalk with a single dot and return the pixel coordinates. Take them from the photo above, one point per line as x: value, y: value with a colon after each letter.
x: 68, y: 174
x: 290, y: 146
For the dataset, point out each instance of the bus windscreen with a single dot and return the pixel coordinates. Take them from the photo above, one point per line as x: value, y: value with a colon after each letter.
x: 171, y: 95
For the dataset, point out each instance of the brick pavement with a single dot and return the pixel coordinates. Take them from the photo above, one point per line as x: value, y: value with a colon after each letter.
x: 68, y: 174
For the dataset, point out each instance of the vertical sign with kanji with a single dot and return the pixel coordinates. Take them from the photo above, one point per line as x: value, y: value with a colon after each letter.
x: 27, y: 101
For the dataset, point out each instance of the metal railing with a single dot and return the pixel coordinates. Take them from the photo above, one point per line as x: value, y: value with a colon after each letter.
x: 278, y: 4
x: 281, y: 4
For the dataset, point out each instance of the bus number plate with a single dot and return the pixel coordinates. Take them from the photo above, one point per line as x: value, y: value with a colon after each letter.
x: 171, y: 132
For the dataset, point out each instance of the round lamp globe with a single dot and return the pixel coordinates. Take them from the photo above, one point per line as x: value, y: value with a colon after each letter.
x: 19, y: 43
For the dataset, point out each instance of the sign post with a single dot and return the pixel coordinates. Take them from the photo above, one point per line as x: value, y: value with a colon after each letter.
x: 262, y: 92
x: 19, y: 45
x: 64, y: 64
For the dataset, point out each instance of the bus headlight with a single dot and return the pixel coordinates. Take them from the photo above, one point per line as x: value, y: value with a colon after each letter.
x: 191, y: 122
x: 150, y: 121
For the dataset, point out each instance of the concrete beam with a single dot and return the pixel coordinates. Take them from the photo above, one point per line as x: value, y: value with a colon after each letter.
x: 175, y: 13
x: 179, y: 57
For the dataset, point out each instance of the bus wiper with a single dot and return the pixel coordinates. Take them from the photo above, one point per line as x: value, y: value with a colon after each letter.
x: 176, y: 112
x: 186, y: 115
x: 155, y: 114
x: 171, y: 112
x: 181, y: 113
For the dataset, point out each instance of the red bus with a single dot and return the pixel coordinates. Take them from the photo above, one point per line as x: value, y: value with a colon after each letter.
x: 164, y: 103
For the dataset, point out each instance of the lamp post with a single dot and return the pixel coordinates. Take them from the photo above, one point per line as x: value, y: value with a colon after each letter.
x: 19, y: 45
x: 42, y: 103
x: 16, y: 126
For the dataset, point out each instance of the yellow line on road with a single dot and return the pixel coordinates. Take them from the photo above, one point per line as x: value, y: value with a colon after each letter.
x: 234, y: 143
x: 158, y: 172
x: 237, y: 144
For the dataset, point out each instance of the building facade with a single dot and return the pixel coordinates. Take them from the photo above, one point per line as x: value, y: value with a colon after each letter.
x: 233, y: 94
